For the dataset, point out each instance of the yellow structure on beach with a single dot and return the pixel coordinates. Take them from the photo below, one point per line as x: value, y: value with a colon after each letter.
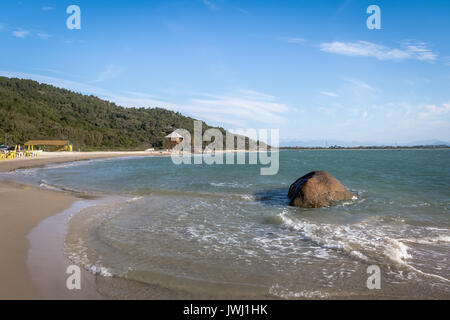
x: 64, y: 145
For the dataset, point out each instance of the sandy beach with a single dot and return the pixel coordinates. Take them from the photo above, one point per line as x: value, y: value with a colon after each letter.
x: 46, y: 158
x: 22, y: 210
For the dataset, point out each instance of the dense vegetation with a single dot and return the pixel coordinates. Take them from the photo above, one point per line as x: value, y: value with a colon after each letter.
x: 30, y: 110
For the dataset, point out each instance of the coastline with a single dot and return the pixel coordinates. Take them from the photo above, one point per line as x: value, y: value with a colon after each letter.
x: 19, y: 216
x: 46, y: 158
x: 26, y: 209
x: 27, y: 234
x: 33, y: 264
x: 47, y: 263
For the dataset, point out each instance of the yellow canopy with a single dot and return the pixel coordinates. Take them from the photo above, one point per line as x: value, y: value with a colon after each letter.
x: 48, y: 143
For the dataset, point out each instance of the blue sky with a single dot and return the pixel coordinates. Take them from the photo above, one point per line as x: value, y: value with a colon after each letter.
x: 309, y: 68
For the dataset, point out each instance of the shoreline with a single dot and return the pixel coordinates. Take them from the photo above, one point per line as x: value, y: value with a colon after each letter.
x: 27, y: 234
x: 32, y: 243
x: 30, y: 231
x: 47, y: 158
x: 47, y: 263
x: 19, y: 217
x: 360, y: 149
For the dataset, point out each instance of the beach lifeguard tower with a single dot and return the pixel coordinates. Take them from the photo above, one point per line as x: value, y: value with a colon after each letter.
x: 173, y: 139
x: 60, y: 145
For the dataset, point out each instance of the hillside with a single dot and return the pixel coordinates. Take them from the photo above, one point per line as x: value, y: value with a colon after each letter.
x: 30, y: 110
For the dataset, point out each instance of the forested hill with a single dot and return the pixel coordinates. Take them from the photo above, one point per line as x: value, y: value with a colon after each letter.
x: 30, y: 110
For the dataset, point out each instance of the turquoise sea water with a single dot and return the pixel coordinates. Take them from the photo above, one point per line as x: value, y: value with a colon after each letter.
x: 225, y: 231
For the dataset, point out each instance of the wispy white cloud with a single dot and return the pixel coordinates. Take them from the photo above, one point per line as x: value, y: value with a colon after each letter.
x: 57, y: 82
x: 447, y: 60
x: 401, y: 120
x: 294, y: 40
x: 409, y: 50
x: 242, y: 10
x: 54, y: 71
x: 21, y: 33
x: 210, y: 5
x: 238, y: 108
x: 418, y: 117
x: 110, y: 73
x: 344, y: 5
x: 416, y: 81
x: 329, y: 94
x: 256, y: 95
x: 360, y: 84
x: 47, y: 8
x: 243, y: 105
x: 365, y: 115
x: 434, y: 111
x: 419, y: 51
x: 44, y: 36
x: 329, y: 110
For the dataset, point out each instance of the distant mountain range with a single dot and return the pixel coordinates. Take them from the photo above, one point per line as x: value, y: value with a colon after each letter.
x: 347, y: 144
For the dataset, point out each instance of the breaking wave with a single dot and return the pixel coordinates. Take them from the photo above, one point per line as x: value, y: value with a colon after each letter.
x: 366, y: 242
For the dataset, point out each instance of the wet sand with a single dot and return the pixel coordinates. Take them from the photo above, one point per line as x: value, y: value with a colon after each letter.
x: 32, y: 230
x: 22, y: 209
x: 47, y: 263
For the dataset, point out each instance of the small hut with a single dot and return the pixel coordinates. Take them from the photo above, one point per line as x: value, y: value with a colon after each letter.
x: 60, y: 145
x: 173, y: 139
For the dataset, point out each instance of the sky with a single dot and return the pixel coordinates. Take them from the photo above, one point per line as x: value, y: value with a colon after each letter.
x: 312, y: 69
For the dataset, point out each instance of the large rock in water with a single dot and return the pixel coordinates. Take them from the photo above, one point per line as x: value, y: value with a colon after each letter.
x: 317, y: 189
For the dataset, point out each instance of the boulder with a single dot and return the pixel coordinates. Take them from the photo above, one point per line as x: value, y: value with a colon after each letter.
x: 317, y: 189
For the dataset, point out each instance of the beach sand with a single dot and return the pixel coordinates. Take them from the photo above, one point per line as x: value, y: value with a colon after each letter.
x: 32, y: 231
x: 25, y: 207
x: 46, y: 158
x: 22, y: 208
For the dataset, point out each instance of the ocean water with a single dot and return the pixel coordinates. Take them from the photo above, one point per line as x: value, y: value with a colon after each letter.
x: 225, y: 231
